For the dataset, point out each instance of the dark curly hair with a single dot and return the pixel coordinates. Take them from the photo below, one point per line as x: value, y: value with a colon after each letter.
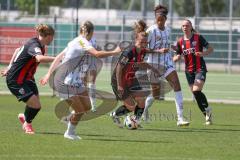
x: 161, y: 10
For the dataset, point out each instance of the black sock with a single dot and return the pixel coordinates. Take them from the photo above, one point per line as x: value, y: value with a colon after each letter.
x: 30, y: 113
x: 138, y: 112
x: 201, y: 100
x: 122, y: 110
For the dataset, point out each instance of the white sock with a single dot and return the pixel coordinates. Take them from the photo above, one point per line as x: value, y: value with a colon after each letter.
x: 148, y: 102
x: 179, y: 104
x: 71, y: 128
x: 92, y: 94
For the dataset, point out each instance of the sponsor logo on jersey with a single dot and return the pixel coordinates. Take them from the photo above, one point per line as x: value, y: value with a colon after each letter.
x: 188, y: 51
x: 81, y: 43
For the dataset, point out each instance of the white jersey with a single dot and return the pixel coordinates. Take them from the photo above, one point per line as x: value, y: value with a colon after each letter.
x: 77, y: 47
x: 158, y: 39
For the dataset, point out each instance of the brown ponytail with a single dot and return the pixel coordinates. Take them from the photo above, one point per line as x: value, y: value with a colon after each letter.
x: 139, y: 27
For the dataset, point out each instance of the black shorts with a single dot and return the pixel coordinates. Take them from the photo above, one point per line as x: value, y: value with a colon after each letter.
x: 127, y: 90
x: 23, y: 91
x: 191, y: 77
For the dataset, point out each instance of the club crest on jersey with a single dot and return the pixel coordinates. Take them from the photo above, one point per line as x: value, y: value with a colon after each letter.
x: 37, y: 50
x: 182, y: 46
x: 21, y: 91
x: 194, y: 43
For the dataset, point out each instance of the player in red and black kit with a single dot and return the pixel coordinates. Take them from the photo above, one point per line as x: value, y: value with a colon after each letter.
x: 124, y: 82
x: 191, y: 47
x: 19, y: 74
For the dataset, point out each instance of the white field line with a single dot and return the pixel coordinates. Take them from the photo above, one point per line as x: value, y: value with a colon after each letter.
x: 99, y: 157
x: 225, y: 101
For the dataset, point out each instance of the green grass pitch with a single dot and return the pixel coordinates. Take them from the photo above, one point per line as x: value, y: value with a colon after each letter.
x: 102, y: 140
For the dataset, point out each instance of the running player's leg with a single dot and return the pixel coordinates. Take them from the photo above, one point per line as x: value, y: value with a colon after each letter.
x: 139, y: 109
x: 172, y: 77
x: 150, y: 98
x: 28, y: 93
x: 32, y: 108
x: 200, y: 96
x: 128, y: 106
x: 92, y: 89
x: 80, y: 104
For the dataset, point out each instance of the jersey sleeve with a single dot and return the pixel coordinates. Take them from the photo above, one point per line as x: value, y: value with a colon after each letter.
x: 203, y: 41
x: 34, y: 50
x: 125, y: 57
x: 179, y: 47
x: 151, y: 38
x: 93, y: 42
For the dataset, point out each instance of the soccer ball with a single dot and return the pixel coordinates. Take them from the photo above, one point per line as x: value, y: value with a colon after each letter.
x: 130, y: 122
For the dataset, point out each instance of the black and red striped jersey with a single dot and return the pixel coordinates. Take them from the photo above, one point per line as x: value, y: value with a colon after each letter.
x: 24, y: 65
x: 129, y: 59
x: 187, y: 48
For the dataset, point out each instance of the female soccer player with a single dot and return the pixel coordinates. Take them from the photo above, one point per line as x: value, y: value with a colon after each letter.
x: 191, y: 47
x: 19, y: 74
x: 124, y: 82
x: 79, y: 46
x: 158, y: 38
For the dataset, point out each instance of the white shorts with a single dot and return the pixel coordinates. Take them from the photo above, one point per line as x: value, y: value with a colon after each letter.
x: 164, y: 63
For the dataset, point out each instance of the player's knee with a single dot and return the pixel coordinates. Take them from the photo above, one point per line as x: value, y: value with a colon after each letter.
x: 75, y: 118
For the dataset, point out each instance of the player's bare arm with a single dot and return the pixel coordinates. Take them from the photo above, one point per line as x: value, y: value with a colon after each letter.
x: 205, y: 53
x: 101, y: 54
x: 53, y: 66
x: 44, y: 59
x: 119, y: 78
x: 159, y: 51
x: 5, y: 70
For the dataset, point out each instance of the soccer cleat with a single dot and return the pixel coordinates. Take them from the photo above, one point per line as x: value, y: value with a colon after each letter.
x: 71, y: 136
x: 208, y: 116
x: 27, y: 127
x: 116, y: 120
x: 21, y: 118
x: 182, y: 123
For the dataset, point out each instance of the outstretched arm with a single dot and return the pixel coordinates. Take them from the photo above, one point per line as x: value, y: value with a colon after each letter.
x: 55, y: 63
x: 102, y: 54
x: 159, y: 51
x: 44, y: 59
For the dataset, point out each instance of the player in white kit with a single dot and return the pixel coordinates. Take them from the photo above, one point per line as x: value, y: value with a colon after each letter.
x: 78, y: 47
x: 159, y: 38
